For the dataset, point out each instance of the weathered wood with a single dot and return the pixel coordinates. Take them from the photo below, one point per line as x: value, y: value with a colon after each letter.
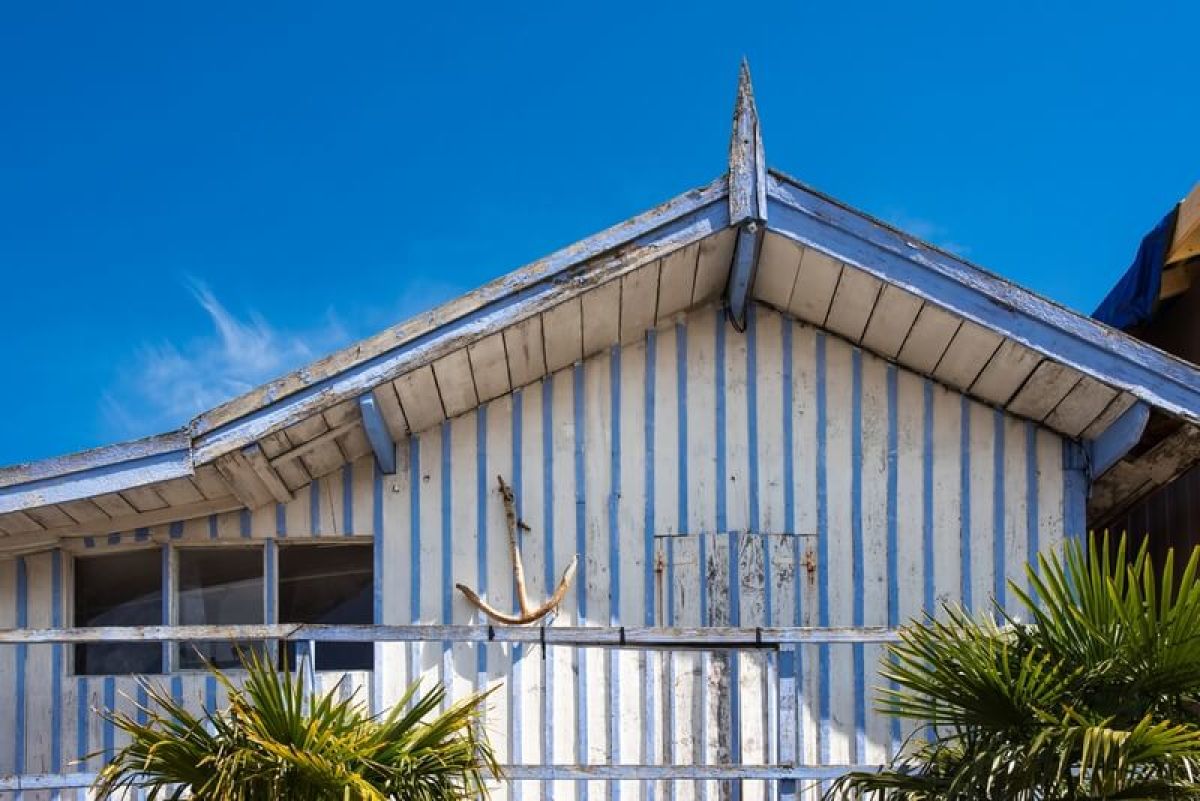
x: 456, y: 384
x: 247, y: 486
x: 892, y: 318
x: 852, y: 303
x: 928, y: 339
x: 489, y: 365
x: 266, y: 473
x: 1010, y: 365
x: 1044, y: 390
x: 1070, y: 339
x: 967, y: 355
x: 382, y: 444
x: 1186, y: 242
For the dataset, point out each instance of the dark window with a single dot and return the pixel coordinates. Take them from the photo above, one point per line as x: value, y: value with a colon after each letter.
x: 328, y: 584
x: 218, y: 586
x: 120, y: 589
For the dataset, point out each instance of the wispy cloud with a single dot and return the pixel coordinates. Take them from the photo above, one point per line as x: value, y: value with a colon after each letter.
x: 166, y: 382
x: 928, y: 231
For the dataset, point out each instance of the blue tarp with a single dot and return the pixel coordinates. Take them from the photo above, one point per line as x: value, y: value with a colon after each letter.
x: 1132, y: 300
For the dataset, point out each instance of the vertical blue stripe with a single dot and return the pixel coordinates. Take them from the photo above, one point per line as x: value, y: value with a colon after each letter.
x: 244, y: 523
x: 516, y: 690
x: 547, y: 688
x: 927, y: 500
x: 82, y: 748
x: 735, y: 619
x: 824, y: 703
x: 212, y: 527
x: 210, y: 693
x: 166, y: 587
x: 377, y: 544
x: 857, y: 552
x: 447, y: 479
x: 581, y: 679
x: 719, y: 420
x: 893, y: 528
x: 614, y: 567
x: 648, y: 476
x: 56, y: 663
x: 280, y: 520
x: 348, y: 498
x: 22, y: 656
x: 681, y: 411
x: 1075, y: 489
x: 614, y: 487
x: 414, y: 531
x: 789, y: 457
x: 271, y: 589
x: 110, y: 703
x: 964, y: 479
x: 1032, y: 536
x: 998, y: 567
x: 447, y: 526
x: 481, y: 531
x: 752, y: 414
x: 177, y: 688
x: 314, y: 507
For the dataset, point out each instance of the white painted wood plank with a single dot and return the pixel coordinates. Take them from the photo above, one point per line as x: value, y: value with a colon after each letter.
x: 419, y: 399
x: 769, y: 326
x: 8, y: 658
x: 966, y: 356
x: 1048, y: 385
x: 601, y: 309
x: 982, y: 484
x: 927, y: 341
x: 1005, y: 373
x: 1015, y: 505
x: 499, y: 572
x: 676, y: 281
x: 463, y: 558
x: 736, y: 481
x: 597, y: 433
x: 561, y: 661
x: 389, y: 407
x: 526, y: 354
x: 562, y: 327
x: 321, y: 461
x: 891, y: 320
x: 489, y: 364
x: 1050, y: 492
x: 144, y: 499
x: 209, y: 481
x: 50, y: 516
x: 84, y: 511
x: 778, y: 264
x: 804, y: 427
x: 456, y: 384
x: 530, y: 509
x: 712, y: 267
x: 634, y: 688
x: 852, y: 303
x: 354, y: 443
x: 839, y: 468
x: 701, y: 452
x: 1086, y: 401
x: 639, y: 302
x: 875, y: 544
x: 815, y: 285
x: 947, y: 495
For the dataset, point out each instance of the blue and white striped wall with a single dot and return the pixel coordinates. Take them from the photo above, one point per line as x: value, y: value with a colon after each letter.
x: 703, y: 477
x: 46, y: 717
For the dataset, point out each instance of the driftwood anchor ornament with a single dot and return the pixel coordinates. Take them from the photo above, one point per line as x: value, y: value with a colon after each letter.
x: 527, y: 613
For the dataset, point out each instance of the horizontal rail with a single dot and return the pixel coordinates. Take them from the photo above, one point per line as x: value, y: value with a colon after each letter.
x: 706, y: 638
x: 70, y: 781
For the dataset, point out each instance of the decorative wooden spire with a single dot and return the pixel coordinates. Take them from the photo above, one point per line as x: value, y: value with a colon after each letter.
x: 747, y: 198
x: 747, y: 166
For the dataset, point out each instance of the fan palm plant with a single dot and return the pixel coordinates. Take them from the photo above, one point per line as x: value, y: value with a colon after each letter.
x: 278, y: 739
x: 1096, y: 697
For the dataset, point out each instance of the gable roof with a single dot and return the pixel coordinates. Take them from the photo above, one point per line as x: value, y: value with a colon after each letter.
x: 752, y: 235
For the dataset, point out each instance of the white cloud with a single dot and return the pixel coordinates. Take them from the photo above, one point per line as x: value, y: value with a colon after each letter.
x: 928, y: 231
x: 166, y: 383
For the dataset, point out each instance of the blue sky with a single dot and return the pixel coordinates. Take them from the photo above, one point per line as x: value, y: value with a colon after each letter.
x: 195, y: 198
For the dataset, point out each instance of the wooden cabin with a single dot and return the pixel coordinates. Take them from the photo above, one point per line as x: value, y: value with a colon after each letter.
x: 1158, y: 301
x: 768, y: 428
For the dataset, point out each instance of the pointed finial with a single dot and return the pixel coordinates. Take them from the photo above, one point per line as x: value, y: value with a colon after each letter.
x: 747, y: 166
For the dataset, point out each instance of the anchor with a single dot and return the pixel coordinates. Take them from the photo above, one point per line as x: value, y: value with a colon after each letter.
x: 527, y: 614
